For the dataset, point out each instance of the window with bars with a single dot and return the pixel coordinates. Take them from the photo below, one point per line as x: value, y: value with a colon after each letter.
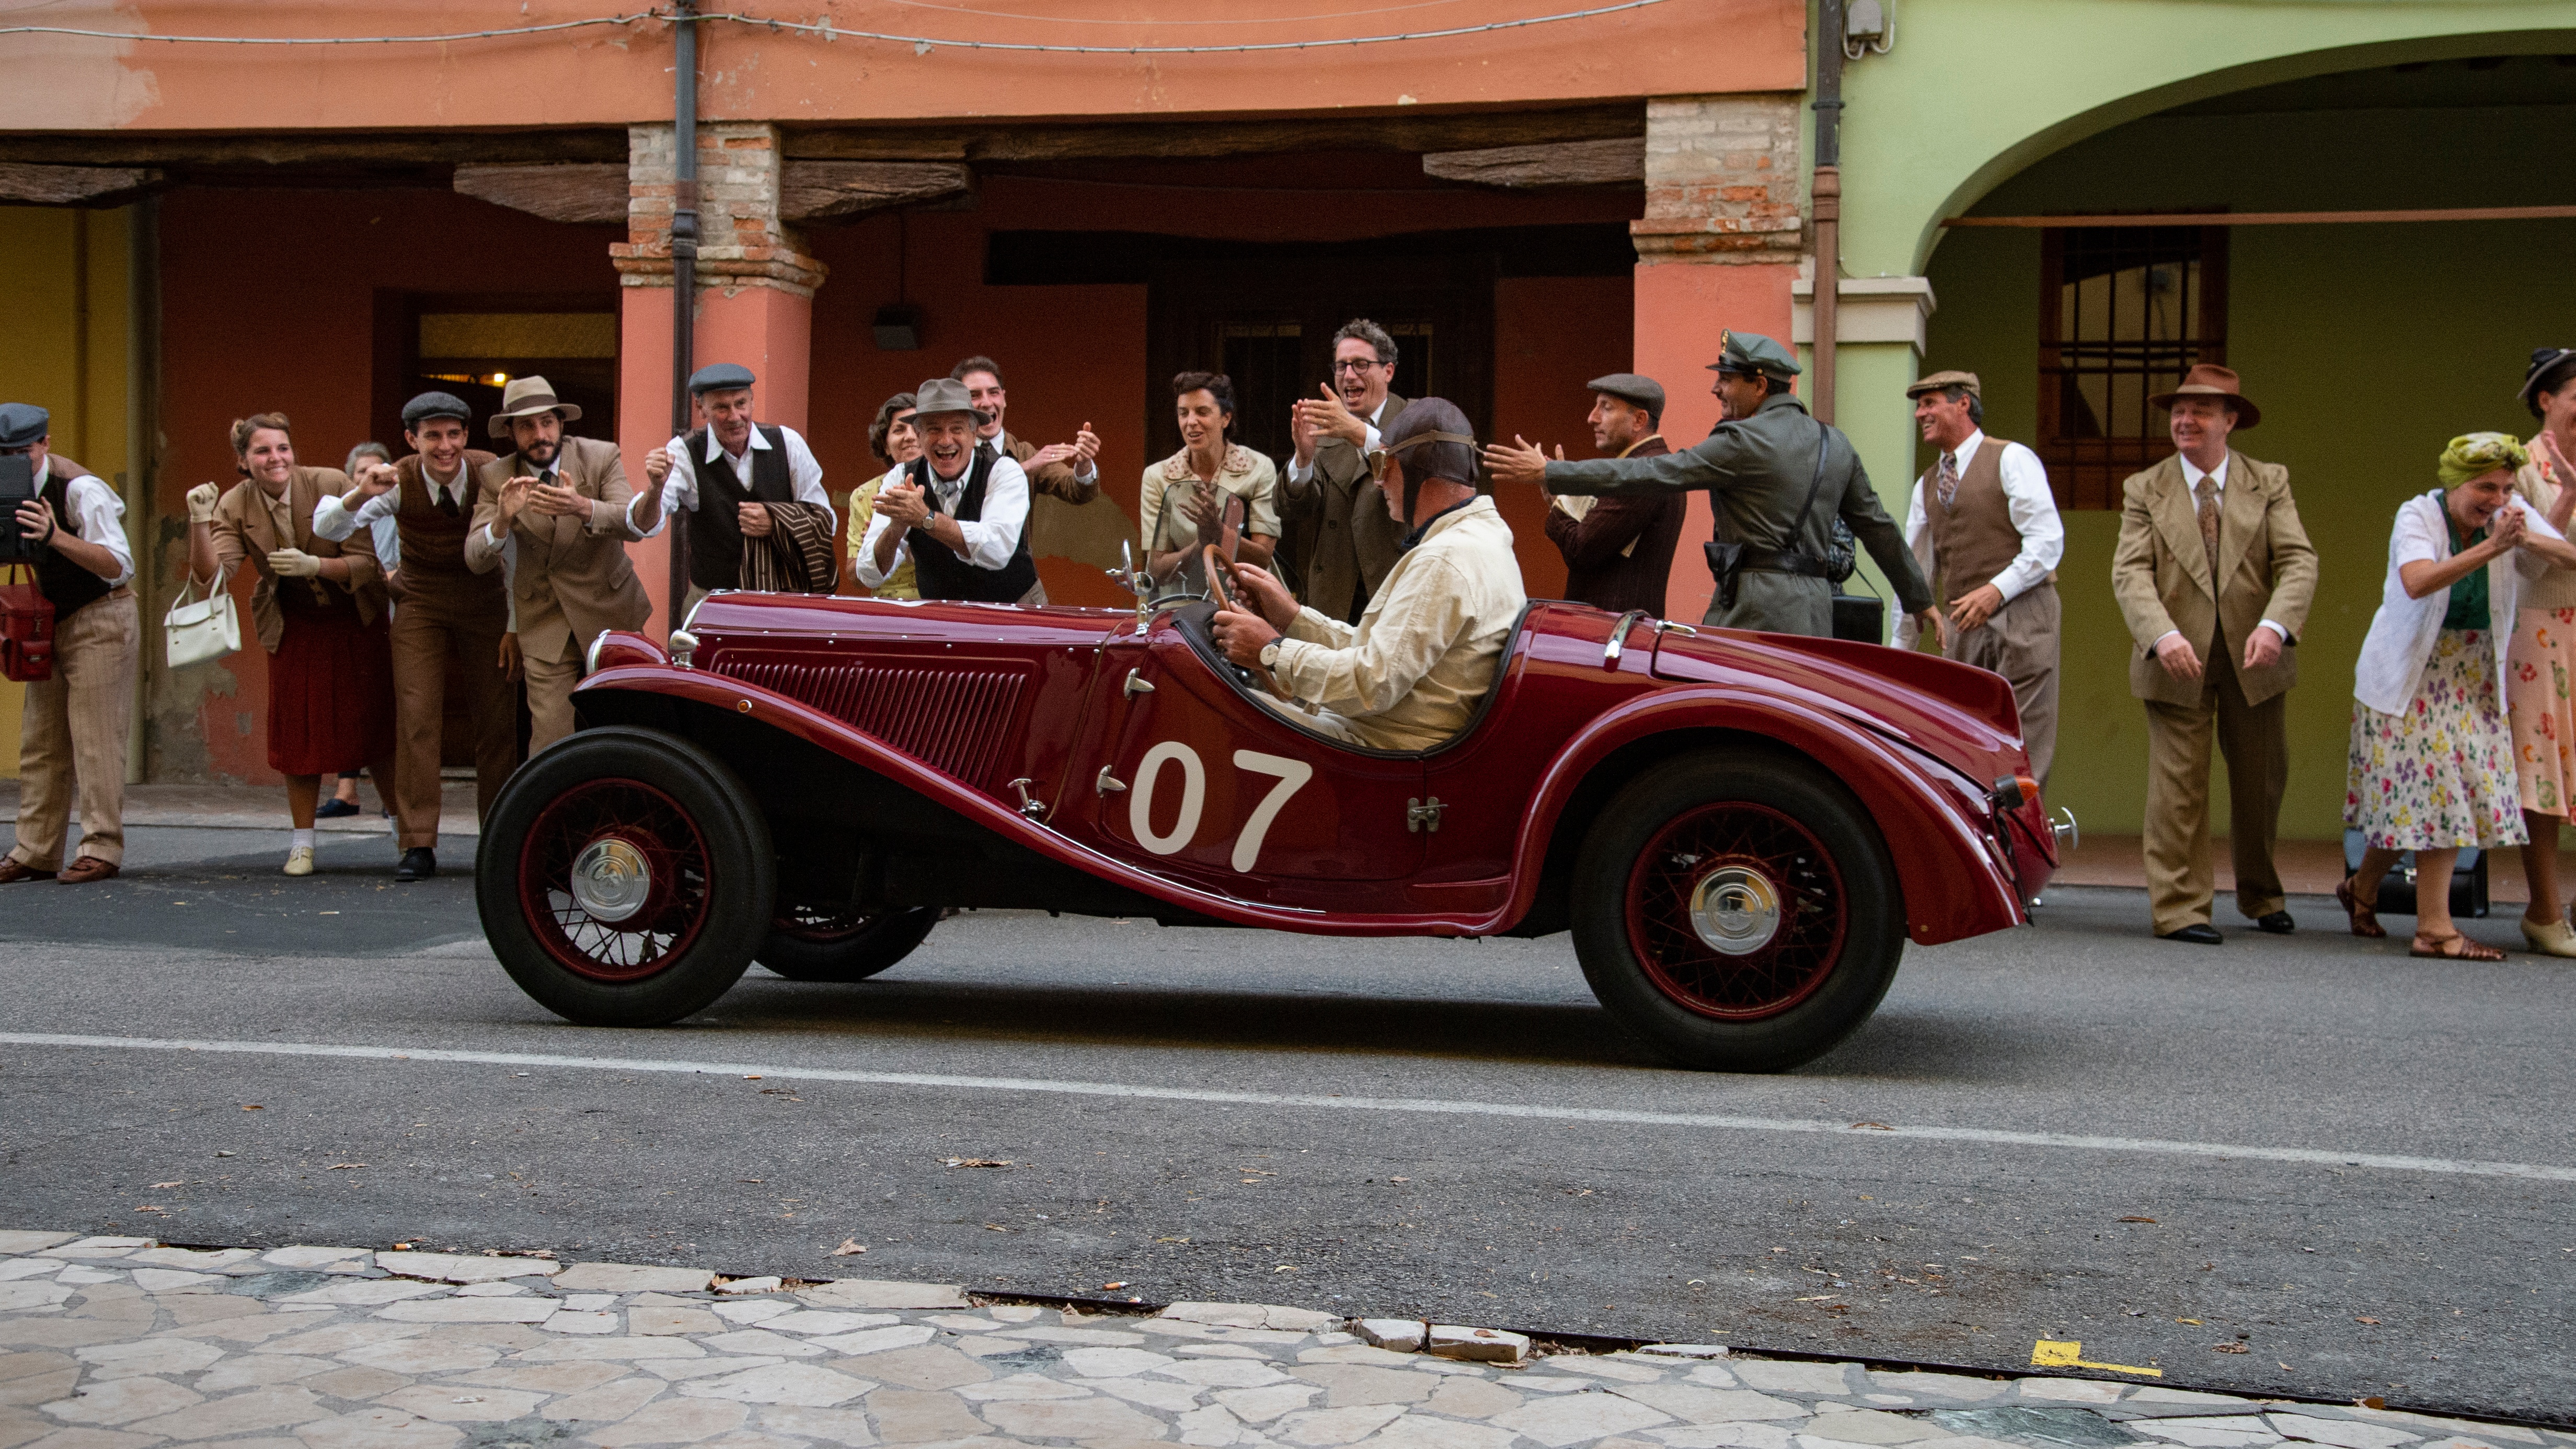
x: 2124, y: 313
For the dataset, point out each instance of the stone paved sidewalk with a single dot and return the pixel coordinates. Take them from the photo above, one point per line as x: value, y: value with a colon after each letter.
x: 117, y: 1343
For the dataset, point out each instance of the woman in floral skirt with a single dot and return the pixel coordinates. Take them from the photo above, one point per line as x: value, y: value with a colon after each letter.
x: 2540, y: 665
x: 2432, y: 763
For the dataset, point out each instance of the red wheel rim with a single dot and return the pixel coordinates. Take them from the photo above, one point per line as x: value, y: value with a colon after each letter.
x: 1736, y: 911
x: 654, y: 850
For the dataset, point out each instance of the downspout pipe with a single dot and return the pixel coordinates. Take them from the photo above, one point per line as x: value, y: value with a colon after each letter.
x: 684, y: 269
x: 1826, y: 196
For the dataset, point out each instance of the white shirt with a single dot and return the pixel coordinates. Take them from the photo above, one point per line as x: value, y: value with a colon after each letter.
x: 333, y: 520
x: 990, y: 540
x: 1298, y: 472
x: 804, y: 474
x: 2191, y: 476
x: 2403, y: 632
x: 2026, y: 497
x: 98, y: 516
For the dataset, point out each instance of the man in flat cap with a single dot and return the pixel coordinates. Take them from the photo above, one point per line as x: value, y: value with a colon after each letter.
x: 562, y: 508
x: 72, y: 736
x: 766, y: 523
x: 1776, y: 478
x: 2214, y: 574
x: 1984, y: 526
x: 447, y: 611
x: 960, y: 512
x: 1619, y: 551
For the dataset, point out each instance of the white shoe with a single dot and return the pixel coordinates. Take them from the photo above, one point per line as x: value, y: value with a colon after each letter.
x: 299, y: 860
x: 2553, y: 938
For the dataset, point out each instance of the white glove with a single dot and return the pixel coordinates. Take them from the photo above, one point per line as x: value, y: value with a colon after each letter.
x: 201, y: 502
x: 294, y: 563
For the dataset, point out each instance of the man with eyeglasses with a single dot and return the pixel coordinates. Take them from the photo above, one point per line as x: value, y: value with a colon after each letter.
x: 1339, y: 539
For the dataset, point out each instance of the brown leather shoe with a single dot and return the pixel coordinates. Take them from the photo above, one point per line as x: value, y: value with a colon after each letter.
x: 12, y: 871
x: 86, y: 869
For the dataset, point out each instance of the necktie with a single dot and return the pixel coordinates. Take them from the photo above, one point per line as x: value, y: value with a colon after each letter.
x: 446, y: 498
x: 2206, y: 491
x: 1949, y: 480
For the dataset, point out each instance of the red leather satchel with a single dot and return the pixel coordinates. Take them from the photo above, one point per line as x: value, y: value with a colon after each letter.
x: 26, y: 629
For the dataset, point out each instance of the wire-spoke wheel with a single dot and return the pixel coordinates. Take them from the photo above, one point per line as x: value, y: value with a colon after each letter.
x: 624, y: 878
x: 821, y: 943
x: 1740, y: 913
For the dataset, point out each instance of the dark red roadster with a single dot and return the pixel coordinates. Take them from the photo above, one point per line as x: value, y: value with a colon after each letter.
x: 1740, y: 830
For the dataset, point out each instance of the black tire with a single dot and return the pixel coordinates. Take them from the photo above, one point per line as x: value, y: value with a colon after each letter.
x: 832, y: 946
x: 1716, y: 988
x: 671, y: 839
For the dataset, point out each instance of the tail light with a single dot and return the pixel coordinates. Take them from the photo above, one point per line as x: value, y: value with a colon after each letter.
x: 2014, y: 791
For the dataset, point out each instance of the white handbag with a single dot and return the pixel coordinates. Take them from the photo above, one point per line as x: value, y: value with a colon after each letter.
x: 208, y: 628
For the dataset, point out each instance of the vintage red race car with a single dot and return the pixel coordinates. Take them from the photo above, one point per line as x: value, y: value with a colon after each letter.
x: 1741, y: 831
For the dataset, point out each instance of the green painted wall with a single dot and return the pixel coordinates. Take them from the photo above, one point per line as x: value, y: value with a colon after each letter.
x: 2367, y: 347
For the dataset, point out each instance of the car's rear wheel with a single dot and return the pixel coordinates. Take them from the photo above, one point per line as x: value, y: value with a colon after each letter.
x: 625, y: 878
x: 814, y: 944
x: 1740, y: 913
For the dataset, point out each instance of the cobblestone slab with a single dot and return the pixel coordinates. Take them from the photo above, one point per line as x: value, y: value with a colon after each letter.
x: 120, y: 1343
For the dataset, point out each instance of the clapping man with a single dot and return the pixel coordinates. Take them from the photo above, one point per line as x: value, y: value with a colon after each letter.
x: 1341, y: 539
x: 766, y: 522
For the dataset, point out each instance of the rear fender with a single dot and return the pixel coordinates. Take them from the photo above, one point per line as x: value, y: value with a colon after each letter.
x: 1946, y: 861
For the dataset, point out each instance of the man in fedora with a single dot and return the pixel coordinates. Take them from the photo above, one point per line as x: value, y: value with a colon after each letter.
x: 960, y: 512
x: 1984, y: 526
x: 449, y: 611
x: 1777, y: 480
x: 2214, y: 575
x: 564, y: 503
x: 1619, y: 551
x: 764, y: 521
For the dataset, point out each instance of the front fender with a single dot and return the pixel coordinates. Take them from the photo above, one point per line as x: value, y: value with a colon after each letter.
x: 1955, y: 883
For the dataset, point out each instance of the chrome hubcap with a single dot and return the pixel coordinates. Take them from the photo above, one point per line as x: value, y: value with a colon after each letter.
x: 610, y: 880
x: 1736, y: 910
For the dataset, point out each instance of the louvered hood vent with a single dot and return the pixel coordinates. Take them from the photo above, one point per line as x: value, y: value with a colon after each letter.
x: 956, y: 719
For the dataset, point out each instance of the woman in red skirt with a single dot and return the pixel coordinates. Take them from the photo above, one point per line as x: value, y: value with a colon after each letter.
x: 321, y: 612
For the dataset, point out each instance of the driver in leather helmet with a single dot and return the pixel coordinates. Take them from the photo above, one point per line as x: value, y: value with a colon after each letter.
x: 1410, y: 674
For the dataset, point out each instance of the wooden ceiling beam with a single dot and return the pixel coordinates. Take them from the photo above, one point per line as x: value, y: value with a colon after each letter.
x: 290, y: 149
x: 1145, y: 140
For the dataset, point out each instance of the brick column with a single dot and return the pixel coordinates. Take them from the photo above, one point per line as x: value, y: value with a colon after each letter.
x: 755, y: 292
x: 1718, y: 248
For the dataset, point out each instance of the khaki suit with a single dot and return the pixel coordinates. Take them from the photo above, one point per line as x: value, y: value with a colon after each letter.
x: 1339, y: 541
x: 2161, y: 572
x: 572, y: 581
x: 447, y: 610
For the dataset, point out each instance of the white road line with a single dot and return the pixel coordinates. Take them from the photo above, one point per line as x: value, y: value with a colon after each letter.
x: 2442, y: 1165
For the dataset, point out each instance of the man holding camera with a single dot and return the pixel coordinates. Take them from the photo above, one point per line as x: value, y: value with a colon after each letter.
x: 73, y: 531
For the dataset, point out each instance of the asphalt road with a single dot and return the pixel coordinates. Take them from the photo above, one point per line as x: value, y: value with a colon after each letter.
x: 1436, y: 1158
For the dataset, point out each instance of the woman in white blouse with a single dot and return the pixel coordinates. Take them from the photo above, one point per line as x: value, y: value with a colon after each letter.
x: 2432, y: 765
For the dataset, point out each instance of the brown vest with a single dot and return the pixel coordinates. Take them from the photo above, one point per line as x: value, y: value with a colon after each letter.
x: 433, y: 543
x: 1974, y: 539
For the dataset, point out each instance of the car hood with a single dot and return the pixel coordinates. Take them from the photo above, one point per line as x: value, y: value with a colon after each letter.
x: 1958, y: 714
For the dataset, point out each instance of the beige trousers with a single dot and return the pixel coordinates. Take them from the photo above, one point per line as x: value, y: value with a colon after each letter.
x: 2020, y: 643
x: 2255, y: 741
x: 423, y: 638
x: 73, y: 737
x: 550, y: 683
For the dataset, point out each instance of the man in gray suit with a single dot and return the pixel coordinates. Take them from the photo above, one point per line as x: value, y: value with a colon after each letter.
x: 1775, y: 503
x: 1339, y: 539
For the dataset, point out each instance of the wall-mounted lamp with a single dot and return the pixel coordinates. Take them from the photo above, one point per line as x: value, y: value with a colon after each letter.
x: 1868, y: 26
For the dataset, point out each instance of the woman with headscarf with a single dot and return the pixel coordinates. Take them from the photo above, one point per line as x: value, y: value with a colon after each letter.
x: 2542, y: 658
x: 896, y: 442
x: 320, y: 607
x: 2431, y: 768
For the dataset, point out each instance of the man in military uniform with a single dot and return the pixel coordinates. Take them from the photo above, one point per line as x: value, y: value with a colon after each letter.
x: 1775, y: 498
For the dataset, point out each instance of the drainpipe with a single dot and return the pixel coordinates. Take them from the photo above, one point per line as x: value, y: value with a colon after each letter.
x: 684, y: 268
x: 1827, y: 194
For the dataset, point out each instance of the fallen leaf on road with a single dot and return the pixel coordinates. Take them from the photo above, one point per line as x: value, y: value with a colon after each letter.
x: 996, y: 1227
x: 2366, y: 1320
x: 1814, y: 1298
x: 2230, y: 1347
x: 1105, y: 1287
x: 1871, y: 1127
x: 2372, y: 1402
x: 254, y: 1107
x: 1399, y: 1179
x: 1171, y: 1240
x: 1285, y: 1268
x: 2137, y: 1220
x: 848, y: 1246
x: 977, y: 1161
x: 183, y: 1182
x: 149, y: 1208
x: 2194, y: 1322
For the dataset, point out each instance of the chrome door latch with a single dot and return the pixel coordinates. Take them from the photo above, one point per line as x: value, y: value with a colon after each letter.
x: 1107, y: 783
x: 1422, y: 815
x: 1030, y: 805
x: 1136, y: 684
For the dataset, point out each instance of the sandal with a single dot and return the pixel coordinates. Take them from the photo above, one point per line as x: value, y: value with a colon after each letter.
x: 2365, y: 921
x: 2453, y: 947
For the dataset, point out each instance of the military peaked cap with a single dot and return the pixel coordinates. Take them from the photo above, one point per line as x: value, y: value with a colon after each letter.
x: 1751, y: 352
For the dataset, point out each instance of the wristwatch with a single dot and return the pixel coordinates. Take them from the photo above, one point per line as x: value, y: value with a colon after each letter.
x: 1270, y: 655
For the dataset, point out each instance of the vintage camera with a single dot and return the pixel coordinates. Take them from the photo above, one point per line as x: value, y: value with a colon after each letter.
x: 17, y: 486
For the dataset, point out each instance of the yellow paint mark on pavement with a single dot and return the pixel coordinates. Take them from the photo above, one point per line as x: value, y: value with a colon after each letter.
x: 2050, y: 1354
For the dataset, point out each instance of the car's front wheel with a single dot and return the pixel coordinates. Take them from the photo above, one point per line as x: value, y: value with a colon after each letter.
x: 1740, y: 913
x: 809, y: 944
x: 625, y: 878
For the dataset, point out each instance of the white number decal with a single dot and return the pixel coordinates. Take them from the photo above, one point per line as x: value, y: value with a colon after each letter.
x: 1292, y: 774
x: 1140, y: 800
